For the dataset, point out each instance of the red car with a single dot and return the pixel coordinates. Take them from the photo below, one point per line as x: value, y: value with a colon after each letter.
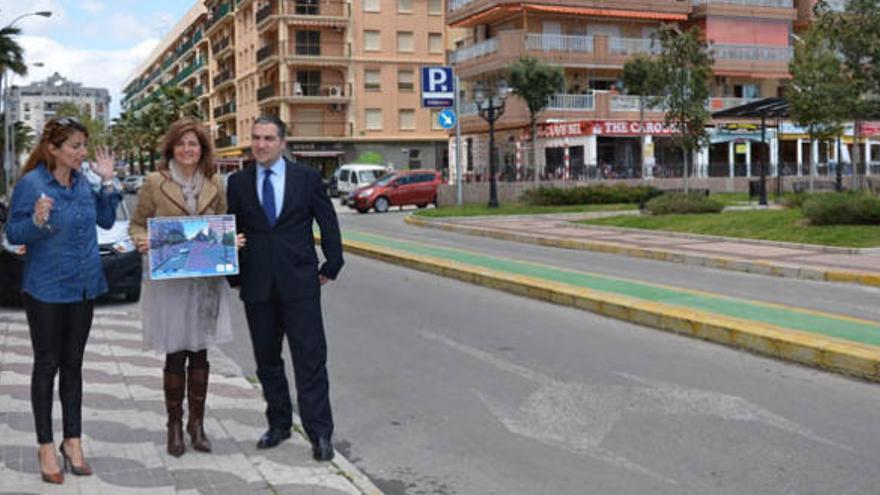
x: 408, y: 187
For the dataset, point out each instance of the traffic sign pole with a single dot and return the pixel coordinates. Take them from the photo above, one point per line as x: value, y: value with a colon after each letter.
x: 459, y: 193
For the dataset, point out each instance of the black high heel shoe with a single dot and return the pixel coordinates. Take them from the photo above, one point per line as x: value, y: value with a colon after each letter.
x: 83, y: 470
x: 53, y: 478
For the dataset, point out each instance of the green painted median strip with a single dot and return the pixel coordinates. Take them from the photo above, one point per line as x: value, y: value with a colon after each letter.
x: 828, y: 325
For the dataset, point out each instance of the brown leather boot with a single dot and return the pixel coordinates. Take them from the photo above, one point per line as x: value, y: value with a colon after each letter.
x: 197, y: 392
x: 175, y: 385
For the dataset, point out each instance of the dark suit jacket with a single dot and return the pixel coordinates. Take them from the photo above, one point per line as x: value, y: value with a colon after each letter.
x: 284, y: 255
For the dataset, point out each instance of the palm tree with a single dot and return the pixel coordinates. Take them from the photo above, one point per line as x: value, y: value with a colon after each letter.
x: 11, y: 58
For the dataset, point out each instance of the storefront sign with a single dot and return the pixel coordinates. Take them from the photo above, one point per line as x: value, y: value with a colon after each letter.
x: 631, y: 128
x: 564, y: 129
x: 870, y: 129
x: 741, y: 149
x: 737, y: 128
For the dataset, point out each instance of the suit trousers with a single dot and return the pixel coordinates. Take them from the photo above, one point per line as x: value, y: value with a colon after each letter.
x: 301, y: 322
x: 58, y: 336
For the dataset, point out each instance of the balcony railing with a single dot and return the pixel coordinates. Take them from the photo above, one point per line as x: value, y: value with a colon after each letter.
x: 324, y: 8
x: 226, y: 108
x: 267, y: 51
x: 457, y: 4
x: 781, y: 4
x: 225, y: 141
x: 752, y: 53
x: 267, y: 91
x: 630, y: 103
x: 480, y: 49
x: 296, y: 89
x: 218, y: 14
x: 324, y: 49
x: 562, y: 101
x: 631, y: 46
x: 222, y: 77
x: 559, y: 42
x: 265, y: 12
x: 220, y: 45
x: 198, y: 90
x: 334, y: 127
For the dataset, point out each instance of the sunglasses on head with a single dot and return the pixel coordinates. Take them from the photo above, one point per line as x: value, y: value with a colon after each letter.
x: 69, y: 121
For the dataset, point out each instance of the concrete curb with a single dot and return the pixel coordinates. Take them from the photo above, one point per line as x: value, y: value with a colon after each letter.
x: 818, y: 351
x: 718, y: 262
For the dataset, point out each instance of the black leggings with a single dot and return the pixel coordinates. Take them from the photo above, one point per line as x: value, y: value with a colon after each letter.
x: 58, y: 336
x: 175, y: 362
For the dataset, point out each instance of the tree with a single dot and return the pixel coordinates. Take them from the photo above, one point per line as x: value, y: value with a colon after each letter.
x: 684, y: 71
x: 535, y: 82
x: 819, y: 90
x: 11, y: 59
x: 640, y: 78
x: 124, y: 137
x: 97, y: 130
x: 854, y: 35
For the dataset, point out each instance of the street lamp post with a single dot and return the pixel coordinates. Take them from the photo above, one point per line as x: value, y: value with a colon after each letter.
x: 8, y: 147
x: 491, y: 107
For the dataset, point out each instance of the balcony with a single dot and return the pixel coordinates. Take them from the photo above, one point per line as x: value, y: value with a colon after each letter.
x: 497, y: 53
x: 323, y: 128
x: 327, y: 53
x: 226, y: 109
x: 198, y: 91
x: 329, y: 13
x: 222, y: 78
x: 763, y: 9
x: 469, y: 13
x: 630, y: 103
x: 267, y: 51
x: 295, y: 92
x: 776, y: 4
x: 218, y: 15
x: 753, y: 61
x: 219, y: 48
x: 225, y: 141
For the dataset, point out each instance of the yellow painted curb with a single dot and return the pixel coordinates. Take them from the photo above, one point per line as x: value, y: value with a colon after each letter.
x: 761, y: 267
x: 819, y: 351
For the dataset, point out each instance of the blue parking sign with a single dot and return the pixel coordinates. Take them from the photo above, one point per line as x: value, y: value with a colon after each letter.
x: 437, y: 87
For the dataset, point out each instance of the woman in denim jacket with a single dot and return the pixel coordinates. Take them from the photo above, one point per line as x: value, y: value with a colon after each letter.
x: 53, y: 214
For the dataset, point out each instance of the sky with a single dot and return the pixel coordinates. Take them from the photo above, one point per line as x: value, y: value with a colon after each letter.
x: 98, y: 43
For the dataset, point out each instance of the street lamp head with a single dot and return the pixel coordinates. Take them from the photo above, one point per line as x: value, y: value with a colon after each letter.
x: 479, y: 93
x: 44, y: 13
x: 501, y: 88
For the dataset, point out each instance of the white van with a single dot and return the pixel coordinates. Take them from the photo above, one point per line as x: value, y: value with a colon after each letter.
x: 354, y: 175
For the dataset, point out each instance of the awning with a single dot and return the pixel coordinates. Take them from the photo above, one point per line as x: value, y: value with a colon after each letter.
x: 618, y: 13
x: 317, y: 153
x: 752, y: 74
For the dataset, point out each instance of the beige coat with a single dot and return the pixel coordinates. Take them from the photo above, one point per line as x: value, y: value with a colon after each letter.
x: 159, y: 196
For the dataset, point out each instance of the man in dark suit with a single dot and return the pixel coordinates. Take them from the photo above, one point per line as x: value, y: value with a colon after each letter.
x: 275, y: 203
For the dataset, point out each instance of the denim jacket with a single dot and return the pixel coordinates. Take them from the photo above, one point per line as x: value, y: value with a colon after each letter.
x: 62, y: 263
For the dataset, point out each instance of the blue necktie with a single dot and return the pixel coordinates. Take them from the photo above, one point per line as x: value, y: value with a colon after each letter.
x: 269, y: 197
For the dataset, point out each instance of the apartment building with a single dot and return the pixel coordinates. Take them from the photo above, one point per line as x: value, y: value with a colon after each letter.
x: 37, y: 102
x: 342, y: 74
x: 590, y: 128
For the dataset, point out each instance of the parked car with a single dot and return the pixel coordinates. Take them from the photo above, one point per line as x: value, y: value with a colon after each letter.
x: 132, y: 183
x: 333, y: 184
x: 354, y: 175
x: 410, y: 187
x: 119, y: 258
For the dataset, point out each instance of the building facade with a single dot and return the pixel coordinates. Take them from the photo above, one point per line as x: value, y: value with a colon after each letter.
x: 342, y: 74
x: 37, y: 102
x: 590, y: 129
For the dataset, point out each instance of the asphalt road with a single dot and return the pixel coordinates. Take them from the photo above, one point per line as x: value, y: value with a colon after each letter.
x: 441, y: 387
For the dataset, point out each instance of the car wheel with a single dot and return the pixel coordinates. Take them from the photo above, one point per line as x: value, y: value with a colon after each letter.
x: 134, y: 295
x: 434, y: 201
x: 422, y: 205
x: 381, y: 204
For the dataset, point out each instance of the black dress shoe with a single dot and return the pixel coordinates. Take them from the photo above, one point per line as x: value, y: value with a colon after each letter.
x: 322, y: 449
x: 272, y: 438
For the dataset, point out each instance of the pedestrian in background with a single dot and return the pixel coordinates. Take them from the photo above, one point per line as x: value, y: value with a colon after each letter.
x: 276, y: 202
x: 53, y: 214
x: 183, y: 317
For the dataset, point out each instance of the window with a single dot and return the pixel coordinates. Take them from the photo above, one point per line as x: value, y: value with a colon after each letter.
x: 374, y: 119
x: 306, y: 7
x: 372, y: 80
x: 404, y: 6
x: 405, y: 41
x: 407, y: 119
x: 372, y: 42
x: 309, y: 82
x: 405, y: 80
x: 371, y: 5
x: 435, y: 120
x: 308, y: 42
x: 435, y: 7
x: 435, y: 42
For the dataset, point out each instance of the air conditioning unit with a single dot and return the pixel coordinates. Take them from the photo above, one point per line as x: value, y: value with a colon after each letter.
x: 336, y: 107
x: 297, y: 89
x: 335, y: 91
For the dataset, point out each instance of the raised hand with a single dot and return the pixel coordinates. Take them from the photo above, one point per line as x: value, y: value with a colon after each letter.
x: 104, y: 162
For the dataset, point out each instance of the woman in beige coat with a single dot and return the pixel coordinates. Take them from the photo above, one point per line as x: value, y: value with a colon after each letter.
x: 183, y: 317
